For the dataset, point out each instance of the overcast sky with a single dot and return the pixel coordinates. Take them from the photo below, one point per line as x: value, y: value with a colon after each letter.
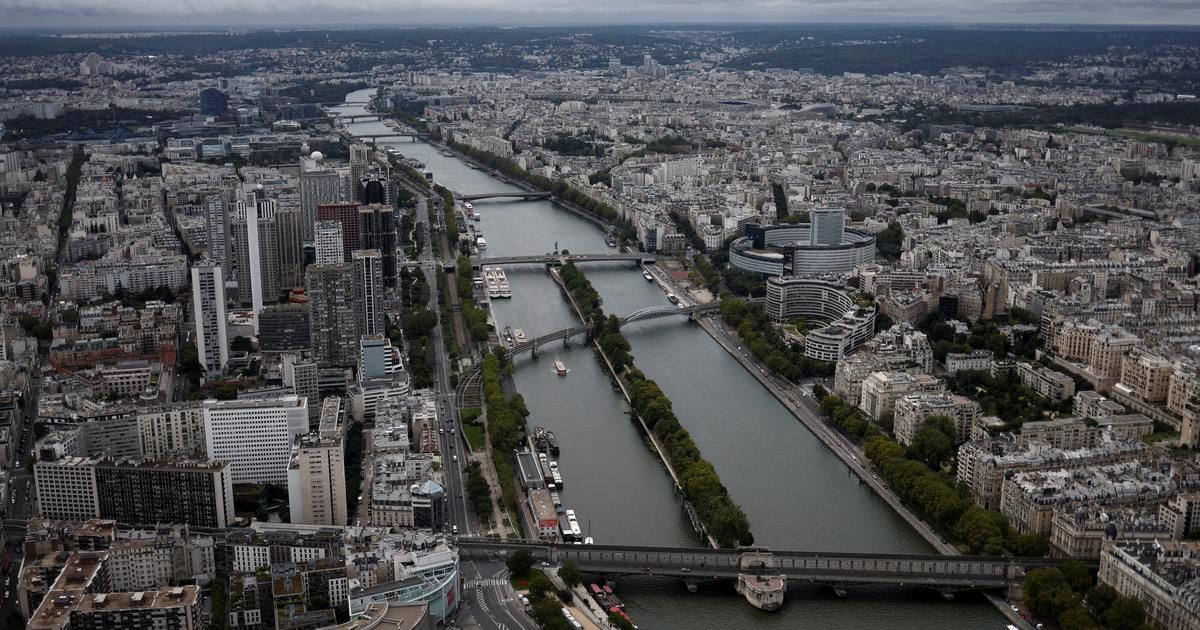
x: 75, y: 14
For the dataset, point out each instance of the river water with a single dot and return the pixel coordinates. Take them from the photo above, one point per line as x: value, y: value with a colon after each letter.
x: 796, y: 494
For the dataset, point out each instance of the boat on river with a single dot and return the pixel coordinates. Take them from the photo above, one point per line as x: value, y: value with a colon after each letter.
x: 647, y: 276
x: 559, y: 368
x: 492, y: 280
x: 519, y: 336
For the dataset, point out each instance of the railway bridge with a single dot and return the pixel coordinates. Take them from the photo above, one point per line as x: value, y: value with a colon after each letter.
x: 837, y: 570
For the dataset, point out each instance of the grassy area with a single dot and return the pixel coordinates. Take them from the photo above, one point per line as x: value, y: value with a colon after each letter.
x: 1142, y: 136
x: 1167, y: 436
x: 475, y: 436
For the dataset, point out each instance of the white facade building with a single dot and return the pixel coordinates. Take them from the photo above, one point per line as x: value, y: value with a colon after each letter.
x: 255, y: 436
x: 208, y: 313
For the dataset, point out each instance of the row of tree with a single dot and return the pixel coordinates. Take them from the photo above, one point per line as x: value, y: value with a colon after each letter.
x: 762, y: 340
x: 479, y: 491
x: 723, y: 518
x: 505, y: 427
x: 559, y: 188
x: 934, y: 494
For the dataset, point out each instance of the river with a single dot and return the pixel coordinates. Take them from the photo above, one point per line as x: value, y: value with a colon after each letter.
x: 796, y: 494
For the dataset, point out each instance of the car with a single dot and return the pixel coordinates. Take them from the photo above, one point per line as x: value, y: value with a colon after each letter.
x: 456, y: 458
x: 685, y: 570
x: 1015, y: 609
x: 441, y: 430
x: 874, y: 476
x: 645, y: 569
x: 545, y: 564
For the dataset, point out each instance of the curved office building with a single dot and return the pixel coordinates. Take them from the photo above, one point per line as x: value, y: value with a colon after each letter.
x: 823, y: 246
x: 823, y: 301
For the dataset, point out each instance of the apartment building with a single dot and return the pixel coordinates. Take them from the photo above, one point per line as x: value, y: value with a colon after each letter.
x: 255, y: 436
x: 912, y: 411
x: 1163, y: 575
x: 881, y: 390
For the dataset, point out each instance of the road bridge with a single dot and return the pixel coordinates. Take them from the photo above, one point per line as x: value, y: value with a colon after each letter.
x: 642, y: 314
x: 561, y: 259
x: 376, y: 136
x: 505, y: 195
x: 946, y: 574
x: 353, y: 117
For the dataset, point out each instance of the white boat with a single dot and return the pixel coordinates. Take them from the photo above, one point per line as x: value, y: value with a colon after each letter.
x: 480, y: 243
x: 519, y: 335
x: 467, y: 205
x: 492, y: 280
x: 505, y: 291
x: 475, y: 216
x: 559, y: 368
x: 647, y: 276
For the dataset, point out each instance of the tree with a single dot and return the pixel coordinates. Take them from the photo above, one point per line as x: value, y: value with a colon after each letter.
x: 539, y: 584
x: 1126, y: 613
x: 241, y: 344
x: 1076, y: 618
x: 520, y: 562
x: 933, y: 443
x: 1047, y: 593
x: 1032, y: 545
x: 570, y: 573
x: 1076, y: 575
x: 1101, y: 597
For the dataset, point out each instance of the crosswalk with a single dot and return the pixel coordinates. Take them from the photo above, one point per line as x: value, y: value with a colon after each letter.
x: 481, y: 582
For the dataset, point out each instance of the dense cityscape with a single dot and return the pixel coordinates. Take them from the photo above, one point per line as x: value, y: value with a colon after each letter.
x: 829, y: 326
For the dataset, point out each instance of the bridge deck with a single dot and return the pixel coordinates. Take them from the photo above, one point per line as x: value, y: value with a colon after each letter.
x: 966, y: 572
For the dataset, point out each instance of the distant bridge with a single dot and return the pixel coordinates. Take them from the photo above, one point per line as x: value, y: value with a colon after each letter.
x: 946, y: 574
x: 353, y: 117
x: 557, y: 259
x: 640, y: 315
x: 505, y: 195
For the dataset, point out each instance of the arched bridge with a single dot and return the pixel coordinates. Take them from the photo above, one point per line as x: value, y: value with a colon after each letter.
x: 642, y: 314
x: 946, y: 574
x: 556, y: 259
x: 505, y: 195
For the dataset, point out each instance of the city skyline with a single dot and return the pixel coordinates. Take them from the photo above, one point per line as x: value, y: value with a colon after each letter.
x: 236, y: 15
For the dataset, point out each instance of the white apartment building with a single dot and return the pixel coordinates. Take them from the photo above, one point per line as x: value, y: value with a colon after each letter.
x: 316, y: 474
x: 255, y: 436
x: 208, y: 313
x: 881, y: 390
x: 912, y: 412
x: 167, y: 432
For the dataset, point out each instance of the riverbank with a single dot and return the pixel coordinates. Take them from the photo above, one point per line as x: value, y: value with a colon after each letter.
x: 706, y: 499
x: 805, y: 408
x: 689, y: 510
x: 516, y: 181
